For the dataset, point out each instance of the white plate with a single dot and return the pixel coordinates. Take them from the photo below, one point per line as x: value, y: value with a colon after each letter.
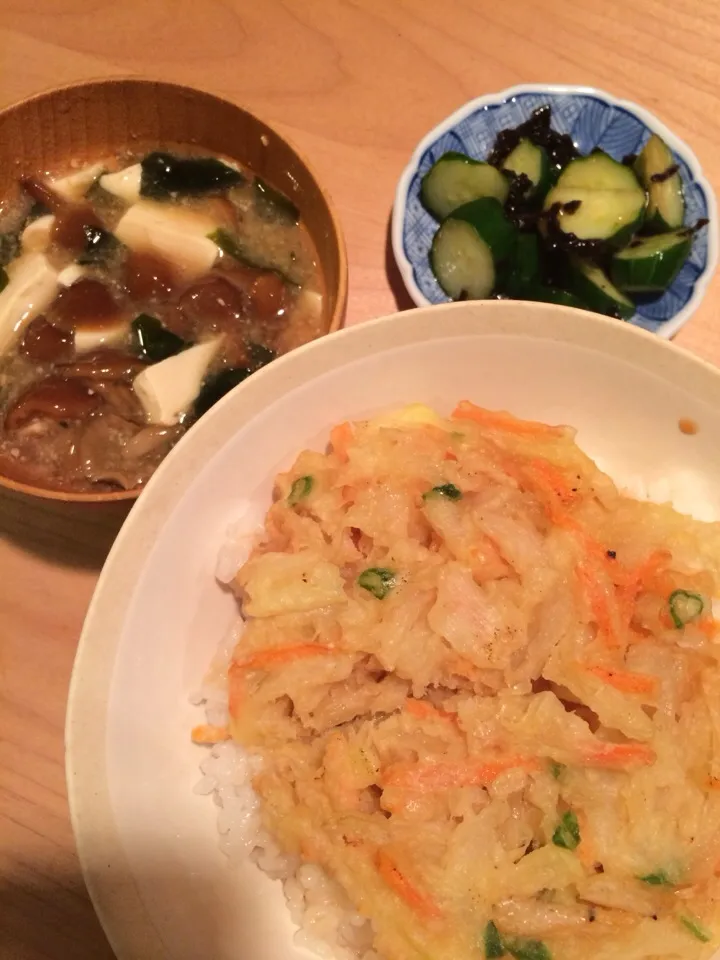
x: 148, y: 846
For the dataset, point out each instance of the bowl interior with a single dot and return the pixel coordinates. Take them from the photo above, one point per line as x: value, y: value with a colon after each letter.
x: 593, y: 120
x: 96, y: 119
x: 148, y: 845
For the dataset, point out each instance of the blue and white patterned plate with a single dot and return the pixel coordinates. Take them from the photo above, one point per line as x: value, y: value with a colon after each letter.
x: 593, y: 119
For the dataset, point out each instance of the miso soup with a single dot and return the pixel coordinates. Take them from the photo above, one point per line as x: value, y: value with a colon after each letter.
x: 135, y: 293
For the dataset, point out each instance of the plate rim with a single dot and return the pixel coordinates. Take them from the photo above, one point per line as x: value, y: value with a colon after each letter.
x: 670, y: 327
x: 105, y: 869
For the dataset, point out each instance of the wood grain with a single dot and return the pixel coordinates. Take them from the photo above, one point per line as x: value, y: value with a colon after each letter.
x: 354, y: 85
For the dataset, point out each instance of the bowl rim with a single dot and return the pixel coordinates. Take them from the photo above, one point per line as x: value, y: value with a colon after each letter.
x: 670, y: 327
x: 99, y: 843
x: 338, y: 315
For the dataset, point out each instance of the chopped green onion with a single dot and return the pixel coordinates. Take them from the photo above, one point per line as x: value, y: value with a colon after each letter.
x: 153, y: 341
x: 300, y: 489
x: 556, y: 769
x: 657, y: 879
x: 684, y: 607
x: 272, y: 204
x: 520, y: 947
x: 100, y: 246
x: 379, y: 581
x: 4, y: 279
x: 567, y: 832
x: 447, y: 490
x: 166, y: 176
x: 523, y: 949
x: 229, y: 245
x: 216, y: 387
x: 696, y: 928
x: 493, y: 944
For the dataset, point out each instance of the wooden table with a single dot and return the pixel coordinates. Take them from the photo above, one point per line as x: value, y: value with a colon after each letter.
x: 354, y: 85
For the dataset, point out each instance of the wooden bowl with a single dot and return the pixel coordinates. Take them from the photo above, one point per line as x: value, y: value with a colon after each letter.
x: 86, y: 121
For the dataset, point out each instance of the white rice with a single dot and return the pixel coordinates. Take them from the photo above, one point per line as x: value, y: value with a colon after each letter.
x: 685, y: 490
x: 327, y: 922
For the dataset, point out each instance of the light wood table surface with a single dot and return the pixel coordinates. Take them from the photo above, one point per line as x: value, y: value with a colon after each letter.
x: 355, y: 85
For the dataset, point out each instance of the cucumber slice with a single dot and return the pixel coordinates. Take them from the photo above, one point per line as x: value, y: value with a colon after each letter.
x: 532, y: 160
x: 606, y: 201
x: 462, y: 262
x: 658, y: 172
x: 524, y: 268
x: 593, y: 285
x: 545, y: 294
x: 455, y: 179
x: 468, y: 246
x: 650, y: 265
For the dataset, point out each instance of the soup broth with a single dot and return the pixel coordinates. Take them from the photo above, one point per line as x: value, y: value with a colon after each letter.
x: 136, y: 292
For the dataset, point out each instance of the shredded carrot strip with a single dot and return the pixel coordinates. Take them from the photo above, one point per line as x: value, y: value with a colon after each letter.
x: 500, y: 420
x: 631, y: 582
x: 625, y: 681
x: 651, y: 567
x: 236, y: 688
x: 662, y: 584
x: 585, y: 850
x: 627, y: 595
x: 652, y: 574
x: 341, y: 437
x: 603, y: 610
x: 707, y: 626
x: 424, y: 710
x: 420, y: 902
x: 278, y: 656
x: 208, y: 733
x: 620, y: 755
x: 551, y: 481
x: 592, y: 547
x: 445, y: 774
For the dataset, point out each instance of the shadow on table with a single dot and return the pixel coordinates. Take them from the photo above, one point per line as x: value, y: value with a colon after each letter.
x: 402, y: 297
x: 70, y: 534
x: 47, y: 915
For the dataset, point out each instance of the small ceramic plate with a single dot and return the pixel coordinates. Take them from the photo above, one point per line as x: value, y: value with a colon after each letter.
x: 148, y: 845
x: 593, y: 119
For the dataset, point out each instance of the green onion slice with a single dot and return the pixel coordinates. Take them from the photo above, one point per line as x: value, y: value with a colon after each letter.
x: 684, y: 607
x: 300, y: 489
x: 523, y: 949
x: 378, y: 581
x: 492, y: 942
x: 567, y: 832
x: 696, y: 928
x: 447, y: 490
x: 657, y: 879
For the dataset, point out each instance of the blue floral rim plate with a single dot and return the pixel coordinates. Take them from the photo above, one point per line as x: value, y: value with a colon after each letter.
x: 593, y: 119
